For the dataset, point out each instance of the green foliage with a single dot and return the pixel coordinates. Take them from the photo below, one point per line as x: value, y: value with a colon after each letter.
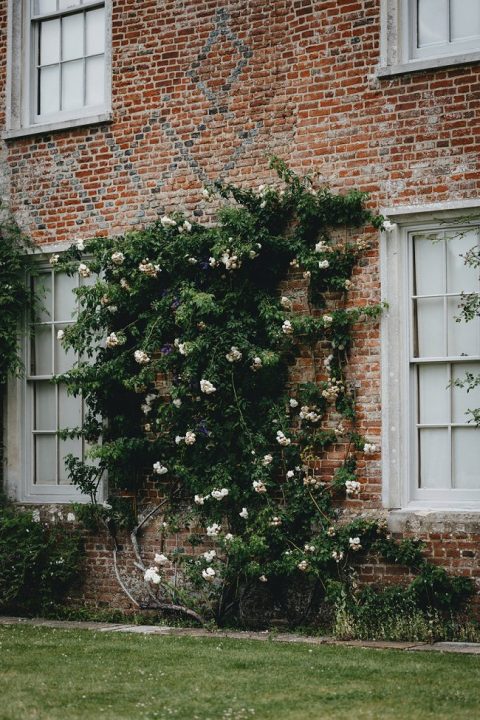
x: 38, y: 562
x: 195, y: 309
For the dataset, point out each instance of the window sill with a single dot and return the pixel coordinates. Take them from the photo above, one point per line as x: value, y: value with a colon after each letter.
x: 420, y: 519
x: 57, y: 126
x: 426, y: 64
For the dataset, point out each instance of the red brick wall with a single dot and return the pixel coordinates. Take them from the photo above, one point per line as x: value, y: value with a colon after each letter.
x: 204, y: 89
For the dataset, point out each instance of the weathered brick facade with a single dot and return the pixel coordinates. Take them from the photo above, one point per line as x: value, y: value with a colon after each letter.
x: 204, y: 89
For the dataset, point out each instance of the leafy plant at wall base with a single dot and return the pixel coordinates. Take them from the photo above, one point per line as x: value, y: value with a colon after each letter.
x: 190, y: 348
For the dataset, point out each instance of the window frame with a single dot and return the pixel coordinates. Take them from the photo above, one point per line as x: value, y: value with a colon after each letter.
x: 396, y: 39
x: 399, y: 417
x: 21, y: 119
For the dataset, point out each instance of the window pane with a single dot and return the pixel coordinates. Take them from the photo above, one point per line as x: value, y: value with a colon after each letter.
x: 45, y: 460
x: 430, y: 331
x: 466, y: 457
x: 432, y: 22
x: 67, y: 447
x: 49, y: 90
x: 95, y: 32
x: 434, y: 458
x: 64, y: 4
x: 465, y: 19
x: 463, y: 338
x: 461, y: 278
x: 95, y: 81
x: 72, y: 36
x: 428, y: 259
x: 65, y: 299
x: 64, y: 359
x: 45, y: 416
x: 49, y: 42
x: 433, y: 394
x: 42, y: 350
x: 69, y: 409
x: 42, y: 287
x: 72, y: 85
x: 461, y: 400
x: 45, y: 6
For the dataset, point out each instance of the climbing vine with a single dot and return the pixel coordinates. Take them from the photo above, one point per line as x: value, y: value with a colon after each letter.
x: 188, y: 347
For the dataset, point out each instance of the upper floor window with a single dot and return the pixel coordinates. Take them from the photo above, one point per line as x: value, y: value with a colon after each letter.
x: 68, y: 69
x: 59, y: 64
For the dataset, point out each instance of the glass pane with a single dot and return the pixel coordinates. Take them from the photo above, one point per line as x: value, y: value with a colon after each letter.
x: 65, y: 298
x: 95, y: 81
x: 465, y: 19
x: 49, y: 90
x: 49, y: 42
x: 64, y: 4
x: 466, y: 457
x: 45, y: 6
x: 64, y: 359
x: 95, y: 34
x: 463, y: 338
x: 42, y: 287
x: 460, y: 277
x: 42, y: 350
x: 45, y: 460
x: 434, y: 458
x: 433, y: 394
x: 72, y: 85
x: 428, y: 259
x: 432, y: 22
x: 67, y: 447
x: 461, y: 399
x: 430, y: 330
x: 45, y: 406
x: 72, y: 36
x: 69, y: 410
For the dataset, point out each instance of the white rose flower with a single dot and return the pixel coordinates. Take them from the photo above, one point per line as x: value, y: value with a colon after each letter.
x: 310, y: 548
x: 161, y: 559
x: 148, y: 268
x: 159, y: 469
x: 293, y: 403
x: 84, y: 271
x: 219, y: 494
x: 275, y: 522
x: 208, y: 574
x: 256, y: 364
x: 321, y: 246
x: 370, y: 449
x: 282, y: 439
x: 112, y: 340
x: 209, y: 555
x: 327, y: 320
x: 287, y: 328
x: 190, y: 437
x: 117, y: 258
x: 54, y: 259
x: 213, y: 530
x: 167, y: 221
x: 337, y: 555
x: 207, y: 387
x: 36, y: 515
x: 71, y: 517
x: 60, y: 334
x: 290, y: 473
x: 259, y: 486
x: 267, y: 459
x: 228, y: 537
x: 244, y: 513
x: 80, y: 244
x: 141, y: 357
x: 354, y: 544
x: 199, y: 499
x: 212, y: 262
x: 388, y: 226
x: 187, y: 226
x: 323, y: 264
x: 178, y: 439
x: 285, y: 302
x: 152, y: 575
x: 263, y: 578
x: 234, y: 355
x: 352, y: 487
x: 303, y: 565
x: 177, y: 402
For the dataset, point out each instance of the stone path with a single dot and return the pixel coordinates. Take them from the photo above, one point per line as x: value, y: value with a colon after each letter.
x: 448, y: 647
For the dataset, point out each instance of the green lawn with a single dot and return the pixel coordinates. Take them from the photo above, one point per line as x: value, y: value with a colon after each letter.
x: 71, y: 674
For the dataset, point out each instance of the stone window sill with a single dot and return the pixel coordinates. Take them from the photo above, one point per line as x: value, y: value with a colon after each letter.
x: 385, y: 71
x: 435, y: 520
x: 57, y: 126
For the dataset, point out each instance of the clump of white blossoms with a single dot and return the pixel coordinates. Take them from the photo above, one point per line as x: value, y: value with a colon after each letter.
x: 309, y: 414
x: 321, y: 246
x: 199, y: 499
x: 181, y: 346
x: 177, y: 402
x: 208, y: 574
x: 303, y: 565
x: 228, y: 537
x: 307, y: 274
x: 352, y: 487
x: 285, y: 302
x: 388, y: 226
x: 354, y: 544
x: 185, y: 226
x: 259, y: 486
x: 267, y: 459
x: 207, y: 387
x: 263, y: 578
x: 152, y: 575
x: 275, y: 521
x: 80, y: 243
x: 117, y: 257
x: 159, y: 469
x: 287, y: 328
x: 161, y: 559
x: 333, y: 389
x: 256, y: 364
x: 190, y: 437
x: 282, y: 439
x: 148, y: 268
x: 213, y: 530
x: 231, y: 262
x: 60, y: 334
x: 369, y: 449
x: 209, y: 555
x: 207, y: 194
x: 167, y: 221
x: 124, y: 284
x: 234, y: 355
x: 244, y: 513
x: 331, y: 532
x: 84, y: 271
x: 219, y: 494
x: 290, y: 474
x: 337, y: 555
x: 141, y: 357
x: 362, y: 244
x: 54, y: 259
x: 147, y: 405
x: 293, y: 403
x: 323, y: 264
x: 327, y: 320
x: 113, y: 340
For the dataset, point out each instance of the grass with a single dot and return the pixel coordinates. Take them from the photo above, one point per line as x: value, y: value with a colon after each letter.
x: 53, y: 674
